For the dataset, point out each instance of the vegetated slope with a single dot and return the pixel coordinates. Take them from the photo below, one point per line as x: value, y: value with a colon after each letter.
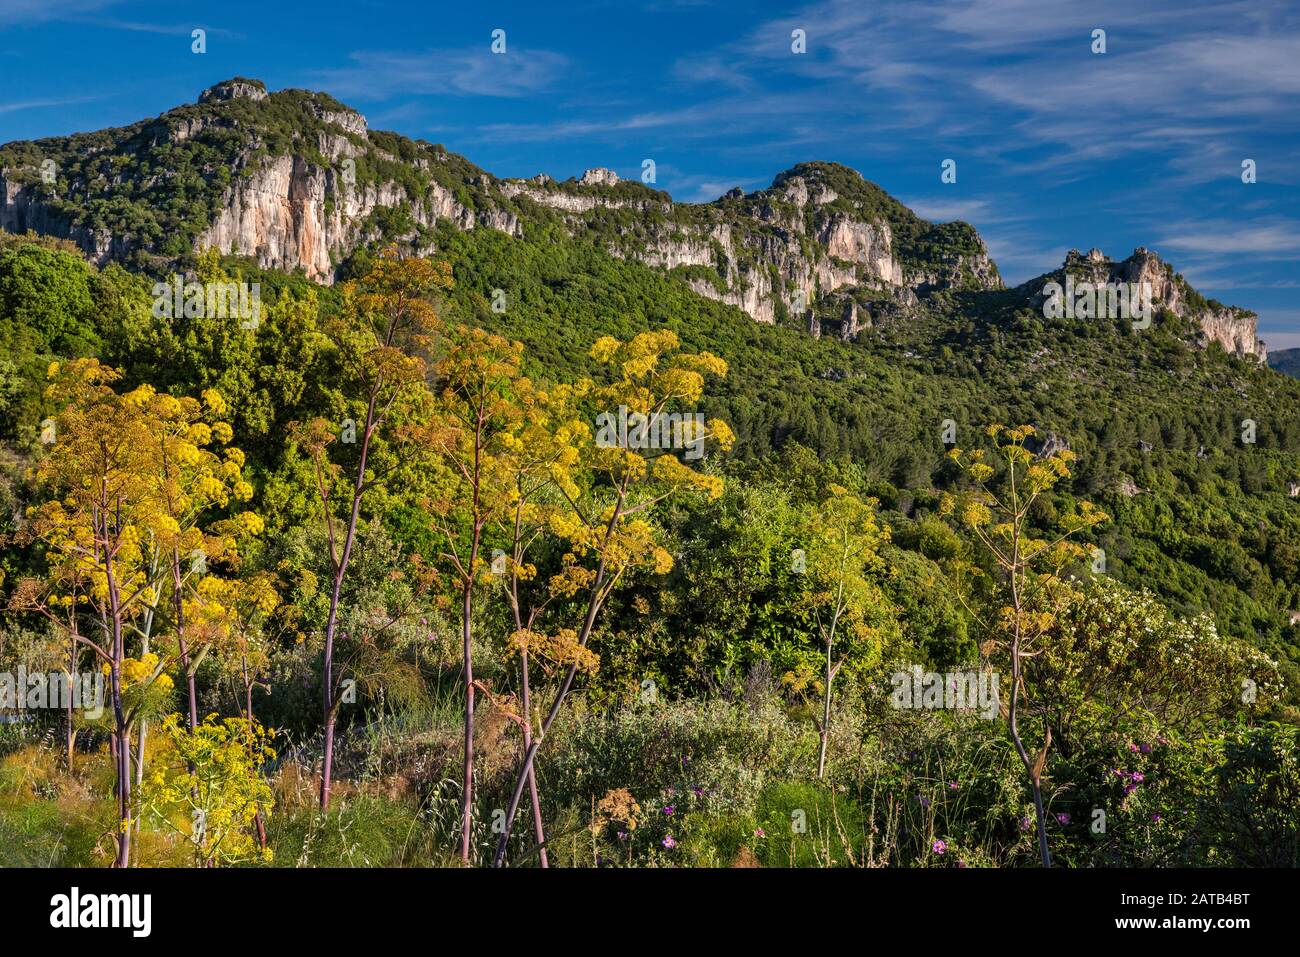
x: 901, y: 326
x: 297, y: 180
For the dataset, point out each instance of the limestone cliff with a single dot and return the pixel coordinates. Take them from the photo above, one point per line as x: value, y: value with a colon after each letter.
x: 298, y: 181
x: 1234, y: 329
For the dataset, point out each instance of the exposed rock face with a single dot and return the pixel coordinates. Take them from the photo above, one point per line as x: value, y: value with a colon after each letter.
x: 20, y: 210
x: 820, y: 246
x: 752, y: 294
x: 866, y: 244
x: 290, y: 213
x: 1232, y: 328
x: 231, y: 89
x: 23, y: 208
x: 1128, y: 488
x: 798, y: 244
x: 1235, y: 330
x: 777, y: 249
x: 564, y: 200
x: 1048, y: 445
x: 294, y: 214
x: 274, y: 218
x: 947, y: 268
x: 852, y: 324
x: 599, y: 177
x: 689, y: 250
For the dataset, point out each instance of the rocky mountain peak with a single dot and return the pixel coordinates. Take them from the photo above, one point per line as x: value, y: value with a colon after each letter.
x: 816, y: 171
x: 822, y: 247
x: 1232, y: 328
x: 821, y: 244
x: 599, y: 177
x: 235, y: 88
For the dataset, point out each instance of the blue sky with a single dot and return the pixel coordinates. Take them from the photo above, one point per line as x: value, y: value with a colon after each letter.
x: 1056, y: 147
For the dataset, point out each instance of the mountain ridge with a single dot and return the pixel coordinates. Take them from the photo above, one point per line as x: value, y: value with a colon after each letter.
x: 297, y: 180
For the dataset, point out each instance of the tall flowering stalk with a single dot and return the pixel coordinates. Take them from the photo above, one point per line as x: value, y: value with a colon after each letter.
x: 380, y: 337
x: 543, y: 460
x: 607, y: 491
x: 1030, y: 568
x: 102, y: 507
x: 847, y: 605
x: 480, y: 406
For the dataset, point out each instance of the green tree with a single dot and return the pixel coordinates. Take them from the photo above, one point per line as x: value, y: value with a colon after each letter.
x: 843, y: 594
x: 49, y: 291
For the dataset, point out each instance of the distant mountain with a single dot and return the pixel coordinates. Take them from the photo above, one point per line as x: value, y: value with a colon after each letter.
x: 299, y: 182
x: 1286, y: 361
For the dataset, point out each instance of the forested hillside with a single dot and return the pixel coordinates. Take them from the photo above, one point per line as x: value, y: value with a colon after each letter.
x: 376, y: 518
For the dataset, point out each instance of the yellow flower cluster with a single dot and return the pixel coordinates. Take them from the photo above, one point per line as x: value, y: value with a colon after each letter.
x: 214, y: 401
x: 562, y: 648
x: 137, y: 671
x: 617, y: 806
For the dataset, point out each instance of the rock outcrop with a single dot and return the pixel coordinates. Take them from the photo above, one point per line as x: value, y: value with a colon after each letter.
x: 1234, y: 329
x: 599, y: 177
x: 254, y: 90
x: 308, y: 183
x: 25, y: 205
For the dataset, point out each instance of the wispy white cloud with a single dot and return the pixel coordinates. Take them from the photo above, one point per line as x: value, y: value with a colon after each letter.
x: 1003, y: 26
x: 947, y: 210
x: 378, y: 74
x: 47, y: 103
x: 949, y: 64
x: 165, y: 29
x: 16, y: 12
x: 1276, y: 239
